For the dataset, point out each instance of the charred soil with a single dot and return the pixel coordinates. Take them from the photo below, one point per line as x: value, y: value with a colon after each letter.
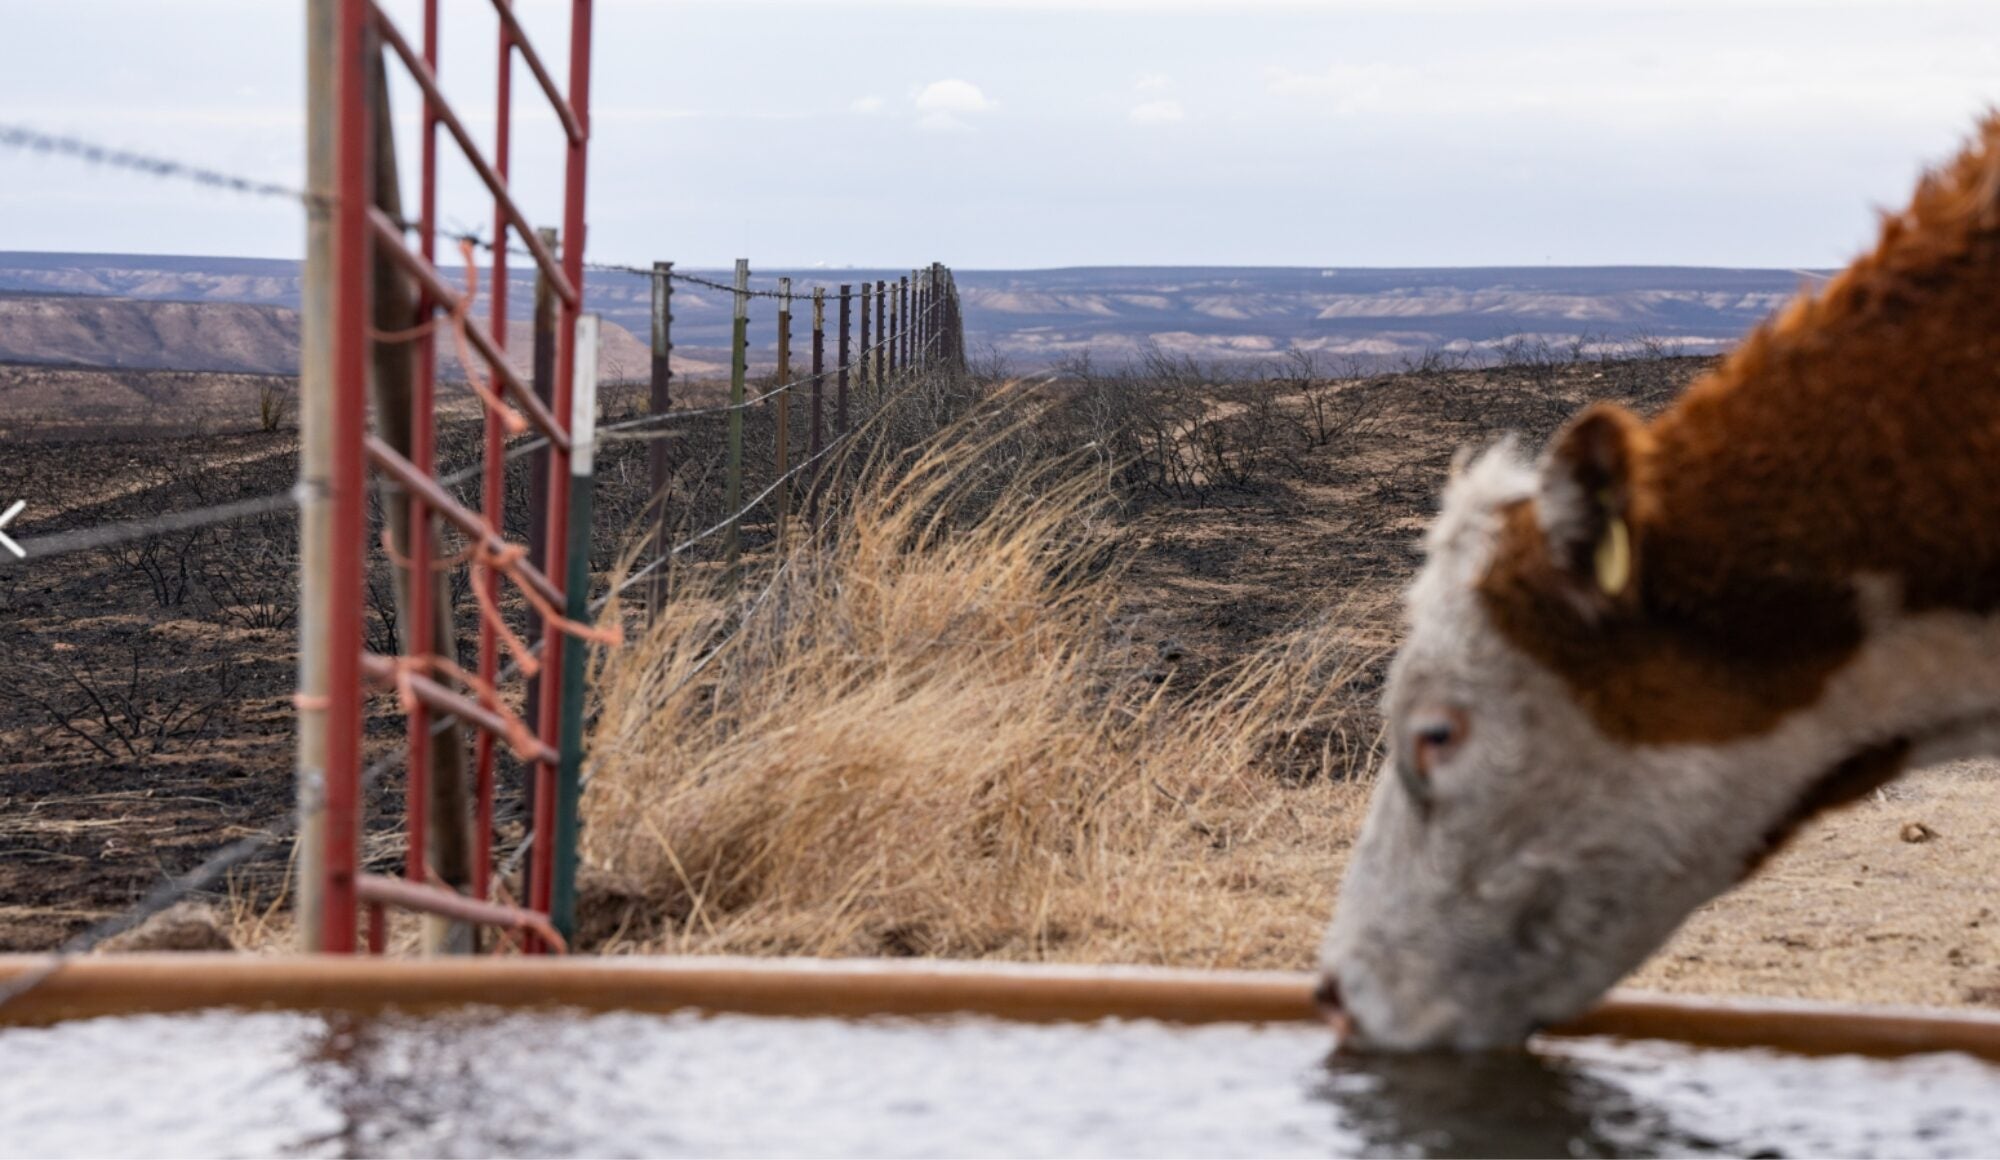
x: 145, y: 689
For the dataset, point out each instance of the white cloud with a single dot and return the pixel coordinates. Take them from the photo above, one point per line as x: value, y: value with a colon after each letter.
x: 1152, y: 82
x: 944, y: 105
x: 952, y: 96
x: 1341, y: 89
x: 942, y: 123
x: 1158, y: 113
x: 867, y: 106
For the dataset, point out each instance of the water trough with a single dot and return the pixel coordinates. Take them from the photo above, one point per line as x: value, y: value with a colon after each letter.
x: 242, y: 1054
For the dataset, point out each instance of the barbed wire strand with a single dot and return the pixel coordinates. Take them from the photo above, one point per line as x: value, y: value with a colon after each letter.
x: 28, y: 139
x: 513, y: 861
x: 243, y: 849
x: 228, y: 857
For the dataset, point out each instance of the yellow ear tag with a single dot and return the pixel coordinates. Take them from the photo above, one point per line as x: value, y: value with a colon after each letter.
x: 1614, y: 558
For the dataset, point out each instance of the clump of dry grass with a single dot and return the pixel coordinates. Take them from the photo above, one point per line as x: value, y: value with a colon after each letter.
x: 926, y: 737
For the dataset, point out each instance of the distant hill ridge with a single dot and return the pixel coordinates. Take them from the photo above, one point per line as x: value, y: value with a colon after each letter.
x: 1034, y: 317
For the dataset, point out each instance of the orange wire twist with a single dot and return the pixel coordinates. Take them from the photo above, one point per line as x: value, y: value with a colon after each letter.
x: 509, y: 417
x: 462, y: 345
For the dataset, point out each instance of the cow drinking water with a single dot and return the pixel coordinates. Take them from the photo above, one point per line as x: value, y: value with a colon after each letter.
x: 1634, y: 668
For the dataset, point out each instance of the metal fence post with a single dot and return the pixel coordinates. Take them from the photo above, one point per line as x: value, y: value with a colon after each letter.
x: 818, y: 394
x: 659, y: 469
x: 865, y: 358
x: 316, y: 454
x: 542, y: 378
x: 738, y: 365
x: 895, y: 335
x: 840, y: 398
x: 576, y: 599
x: 881, y: 336
x: 783, y: 402
x: 903, y: 330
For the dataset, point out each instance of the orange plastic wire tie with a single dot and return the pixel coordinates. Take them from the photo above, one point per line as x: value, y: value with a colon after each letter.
x: 485, y: 559
x: 311, y: 702
x: 610, y: 637
x: 519, y: 737
x: 514, y: 731
x: 403, y: 562
x: 509, y: 417
x: 393, y: 337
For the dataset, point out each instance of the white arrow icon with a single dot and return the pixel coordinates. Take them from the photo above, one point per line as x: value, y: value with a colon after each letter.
x: 5, y: 542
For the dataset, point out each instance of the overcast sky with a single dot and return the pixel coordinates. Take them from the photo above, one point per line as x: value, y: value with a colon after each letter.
x: 1028, y: 133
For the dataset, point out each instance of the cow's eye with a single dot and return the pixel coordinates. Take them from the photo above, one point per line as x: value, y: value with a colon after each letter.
x: 1434, y: 737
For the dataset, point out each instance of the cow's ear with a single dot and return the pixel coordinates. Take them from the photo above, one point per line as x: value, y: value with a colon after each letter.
x: 1590, y: 485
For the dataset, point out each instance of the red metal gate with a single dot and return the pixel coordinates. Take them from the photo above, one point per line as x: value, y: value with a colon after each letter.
x: 337, y: 450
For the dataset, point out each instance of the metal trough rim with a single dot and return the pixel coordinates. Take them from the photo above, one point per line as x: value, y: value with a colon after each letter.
x: 159, y: 983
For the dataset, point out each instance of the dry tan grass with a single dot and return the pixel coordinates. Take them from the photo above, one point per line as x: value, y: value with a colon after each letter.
x: 927, y: 737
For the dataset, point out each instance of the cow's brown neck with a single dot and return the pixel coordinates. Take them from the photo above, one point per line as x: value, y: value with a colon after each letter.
x: 1855, y: 436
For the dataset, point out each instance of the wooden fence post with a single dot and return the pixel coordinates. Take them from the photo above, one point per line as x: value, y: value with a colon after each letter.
x: 783, y: 402
x: 903, y: 329
x: 840, y: 399
x: 658, y: 467
x: 738, y: 366
x: 895, y: 334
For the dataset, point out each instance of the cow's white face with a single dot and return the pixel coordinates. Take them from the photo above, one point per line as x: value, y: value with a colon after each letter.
x: 1517, y: 860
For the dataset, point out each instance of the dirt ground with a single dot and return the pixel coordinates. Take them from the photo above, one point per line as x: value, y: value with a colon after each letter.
x: 1854, y: 909
x: 94, y: 809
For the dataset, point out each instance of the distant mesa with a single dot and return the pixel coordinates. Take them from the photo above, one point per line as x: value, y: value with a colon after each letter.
x: 238, y: 314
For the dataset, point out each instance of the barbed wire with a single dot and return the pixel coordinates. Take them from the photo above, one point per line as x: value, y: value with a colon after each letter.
x: 93, y: 153
x: 201, y: 877
x: 664, y: 558
x: 864, y: 290
x: 106, y: 535
x: 228, y: 857
x: 27, y: 138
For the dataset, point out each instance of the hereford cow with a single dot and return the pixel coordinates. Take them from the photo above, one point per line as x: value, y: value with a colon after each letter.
x: 1634, y: 669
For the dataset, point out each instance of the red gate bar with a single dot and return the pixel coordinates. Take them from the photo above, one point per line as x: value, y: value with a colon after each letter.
x: 542, y: 871
x: 360, y: 232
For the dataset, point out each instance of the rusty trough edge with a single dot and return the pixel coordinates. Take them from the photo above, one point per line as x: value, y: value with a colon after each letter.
x: 134, y: 984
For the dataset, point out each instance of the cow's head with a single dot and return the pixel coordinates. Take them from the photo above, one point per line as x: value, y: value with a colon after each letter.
x: 1524, y: 849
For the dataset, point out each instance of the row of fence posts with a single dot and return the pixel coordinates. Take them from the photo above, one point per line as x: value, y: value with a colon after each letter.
x: 915, y: 330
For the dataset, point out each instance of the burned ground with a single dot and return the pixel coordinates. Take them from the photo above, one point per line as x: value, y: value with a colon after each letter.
x: 146, y: 717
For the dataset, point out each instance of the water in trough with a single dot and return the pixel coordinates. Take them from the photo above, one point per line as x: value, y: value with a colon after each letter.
x: 484, y: 1082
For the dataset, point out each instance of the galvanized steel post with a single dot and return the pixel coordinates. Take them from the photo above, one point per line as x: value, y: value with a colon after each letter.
x: 576, y: 601
x: 318, y: 405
